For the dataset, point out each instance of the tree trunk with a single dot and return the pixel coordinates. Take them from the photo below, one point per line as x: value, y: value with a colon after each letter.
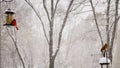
x: 51, y: 65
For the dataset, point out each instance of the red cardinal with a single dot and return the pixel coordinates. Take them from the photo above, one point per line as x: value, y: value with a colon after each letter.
x: 14, y: 24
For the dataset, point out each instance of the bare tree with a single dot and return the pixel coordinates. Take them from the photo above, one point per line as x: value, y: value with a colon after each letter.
x: 51, y: 17
x: 110, y: 28
x: 116, y: 18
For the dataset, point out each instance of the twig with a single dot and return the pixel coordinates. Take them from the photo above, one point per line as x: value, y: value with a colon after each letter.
x: 46, y: 10
x: 17, y: 49
x: 30, y: 4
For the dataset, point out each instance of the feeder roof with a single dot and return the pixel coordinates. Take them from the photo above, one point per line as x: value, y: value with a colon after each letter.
x: 9, y: 11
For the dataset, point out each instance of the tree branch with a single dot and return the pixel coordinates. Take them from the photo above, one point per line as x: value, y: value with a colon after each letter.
x: 56, y: 6
x: 30, y: 4
x: 17, y: 49
x: 108, y: 19
x: 94, y: 13
x: 80, y: 3
x: 54, y: 11
x: 61, y: 30
x: 46, y: 10
x: 52, y: 8
x: 114, y: 27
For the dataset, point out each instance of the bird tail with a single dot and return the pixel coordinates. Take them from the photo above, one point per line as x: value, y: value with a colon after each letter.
x: 17, y: 28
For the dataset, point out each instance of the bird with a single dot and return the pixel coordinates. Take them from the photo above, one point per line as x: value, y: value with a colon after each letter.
x: 104, y: 47
x: 14, y: 23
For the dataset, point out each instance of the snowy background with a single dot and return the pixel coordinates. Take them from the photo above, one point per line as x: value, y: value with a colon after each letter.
x: 80, y: 47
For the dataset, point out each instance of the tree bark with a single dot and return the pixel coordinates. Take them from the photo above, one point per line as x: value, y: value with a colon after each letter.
x: 51, y: 64
x: 108, y: 22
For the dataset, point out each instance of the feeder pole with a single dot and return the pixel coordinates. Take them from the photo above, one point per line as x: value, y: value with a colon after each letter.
x: 101, y: 66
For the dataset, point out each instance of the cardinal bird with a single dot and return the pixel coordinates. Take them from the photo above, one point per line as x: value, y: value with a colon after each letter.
x: 13, y: 23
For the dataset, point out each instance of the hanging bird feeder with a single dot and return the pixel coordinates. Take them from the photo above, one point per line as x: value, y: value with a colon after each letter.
x: 104, y: 61
x: 9, y: 16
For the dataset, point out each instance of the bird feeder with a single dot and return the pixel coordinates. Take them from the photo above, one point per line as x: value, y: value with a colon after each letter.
x: 9, y: 16
x: 104, y: 61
